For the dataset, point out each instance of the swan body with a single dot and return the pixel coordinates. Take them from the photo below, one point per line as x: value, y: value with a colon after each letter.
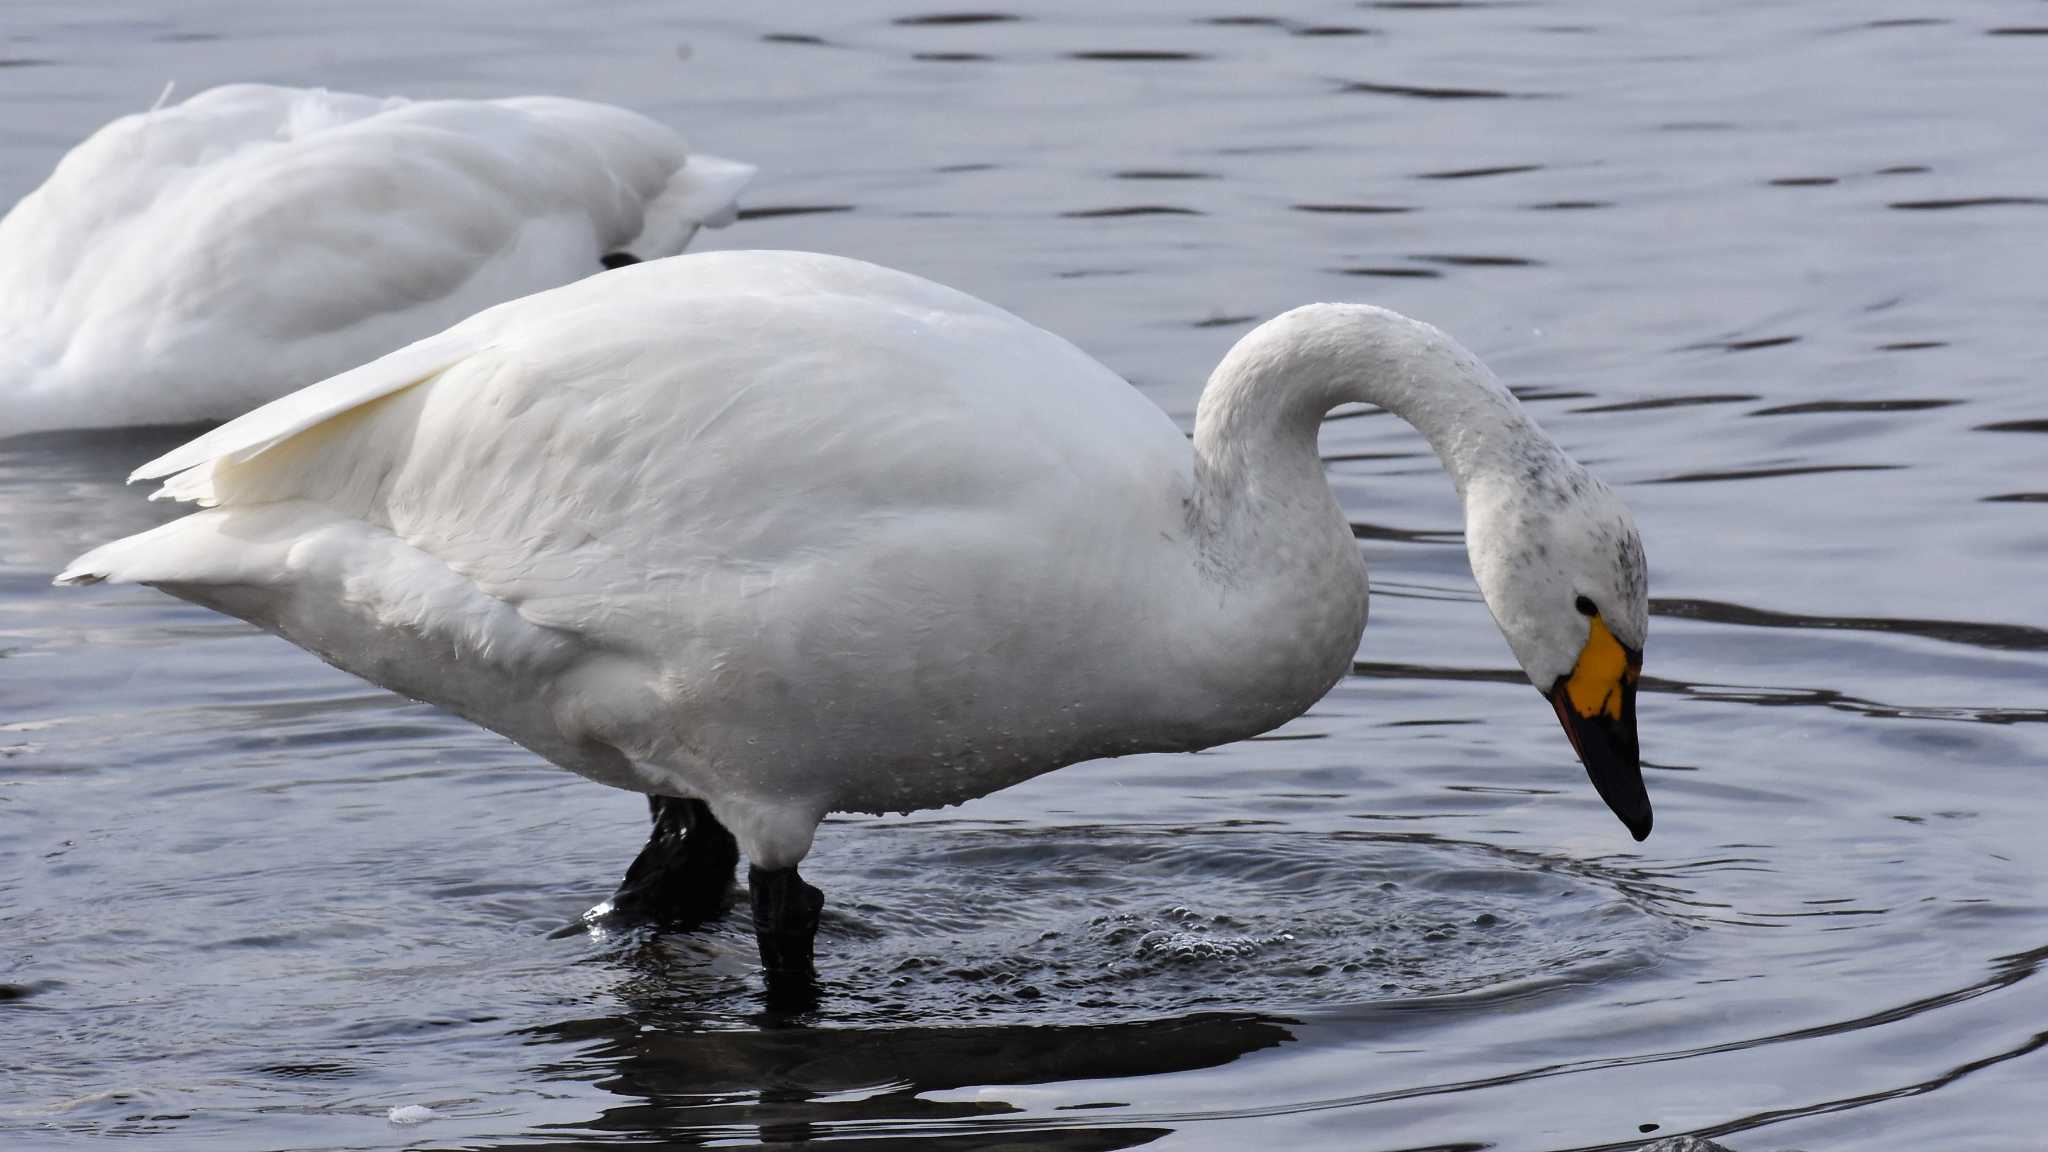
x: 193, y: 261
x: 789, y: 534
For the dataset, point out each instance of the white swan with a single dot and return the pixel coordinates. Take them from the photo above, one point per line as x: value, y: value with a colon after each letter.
x: 191, y: 262
x: 786, y: 534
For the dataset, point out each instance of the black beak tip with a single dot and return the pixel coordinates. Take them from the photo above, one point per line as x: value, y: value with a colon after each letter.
x: 1639, y: 826
x: 1607, y: 747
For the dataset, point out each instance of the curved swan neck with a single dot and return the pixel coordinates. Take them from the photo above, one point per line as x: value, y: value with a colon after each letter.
x: 1265, y: 403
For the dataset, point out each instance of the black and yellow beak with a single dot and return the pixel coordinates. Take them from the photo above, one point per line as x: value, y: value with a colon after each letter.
x: 1596, y: 704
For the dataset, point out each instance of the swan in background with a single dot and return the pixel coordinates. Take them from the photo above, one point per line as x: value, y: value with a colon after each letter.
x: 777, y: 534
x: 191, y: 262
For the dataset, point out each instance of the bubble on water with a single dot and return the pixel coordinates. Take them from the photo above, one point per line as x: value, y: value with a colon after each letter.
x: 1189, y: 947
x: 1066, y: 924
x: 412, y: 1114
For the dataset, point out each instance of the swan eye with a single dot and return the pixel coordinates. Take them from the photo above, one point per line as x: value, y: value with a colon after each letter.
x: 1587, y: 607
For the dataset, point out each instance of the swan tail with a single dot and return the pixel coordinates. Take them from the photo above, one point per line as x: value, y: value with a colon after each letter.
x: 194, y: 549
x: 703, y: 193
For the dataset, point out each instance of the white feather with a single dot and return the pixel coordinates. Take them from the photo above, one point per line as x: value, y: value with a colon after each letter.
x: 193, y: 261
x: 795, y: 534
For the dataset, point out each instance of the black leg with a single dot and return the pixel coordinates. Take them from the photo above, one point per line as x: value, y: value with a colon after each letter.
x: 785, y: 921
x: 681, y: 878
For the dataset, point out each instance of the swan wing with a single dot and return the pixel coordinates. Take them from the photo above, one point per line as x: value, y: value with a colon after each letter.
x: 664, y: 509
x: 190, y: 465
x: 733, y: 408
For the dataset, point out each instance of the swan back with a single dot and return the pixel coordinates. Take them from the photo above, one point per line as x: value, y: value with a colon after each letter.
x: 196, y: 260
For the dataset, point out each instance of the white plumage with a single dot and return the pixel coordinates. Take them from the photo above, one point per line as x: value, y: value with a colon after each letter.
x: 193, y: 261
x: 793, y: 534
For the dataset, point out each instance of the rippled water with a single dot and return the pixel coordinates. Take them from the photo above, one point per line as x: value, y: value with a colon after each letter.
x: 1775, y: 269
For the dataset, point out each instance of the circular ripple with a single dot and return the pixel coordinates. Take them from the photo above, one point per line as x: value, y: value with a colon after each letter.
x: 1082, y: 925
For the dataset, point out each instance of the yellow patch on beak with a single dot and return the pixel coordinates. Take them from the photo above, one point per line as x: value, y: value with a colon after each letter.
x: 1595, y: 684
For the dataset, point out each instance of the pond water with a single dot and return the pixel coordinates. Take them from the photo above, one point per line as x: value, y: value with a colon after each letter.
x: 1775, y: 270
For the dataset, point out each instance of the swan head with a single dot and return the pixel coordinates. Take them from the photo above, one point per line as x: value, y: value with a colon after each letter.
x: 1555, y: 551
x: 1558, y: 559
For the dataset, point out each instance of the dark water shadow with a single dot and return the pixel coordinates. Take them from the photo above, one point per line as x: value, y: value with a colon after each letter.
x: 1424, y: 92
x: 1480, y: 173
x: 1771, y: 473
x: 1390, y: 272
x: 1356, y: 209
x: 679, y: 1082
x: 772, y: 211
x: 1135, y: 55
x: 1999, y: 637
x: 954, y: 19
x: 1366, y: 531
x: 1813, y: 407
x: 1969, y: 202
x: 1670, y: 402
x: 1749, y: 345
x: 1470, y: 260
x: 1129, y: 210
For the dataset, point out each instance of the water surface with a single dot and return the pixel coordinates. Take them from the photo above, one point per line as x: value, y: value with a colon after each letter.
x: 1774, y: 270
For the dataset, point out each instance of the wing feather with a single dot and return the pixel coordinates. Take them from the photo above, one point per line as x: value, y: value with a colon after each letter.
x: 256, y: 432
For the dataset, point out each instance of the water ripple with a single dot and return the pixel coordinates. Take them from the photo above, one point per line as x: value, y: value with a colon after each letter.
x: 1129, y: 210
x: 1976, y: 634
x: 1480, y: 173
x: 955, y: 19
x: 1968, y: 202
x: 1775, y: 473
x: 1422, y: 92
x: 776, y: 211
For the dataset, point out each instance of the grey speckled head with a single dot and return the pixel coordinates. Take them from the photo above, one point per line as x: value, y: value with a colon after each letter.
x: 1557, y: 556
x: 1541, y: 537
